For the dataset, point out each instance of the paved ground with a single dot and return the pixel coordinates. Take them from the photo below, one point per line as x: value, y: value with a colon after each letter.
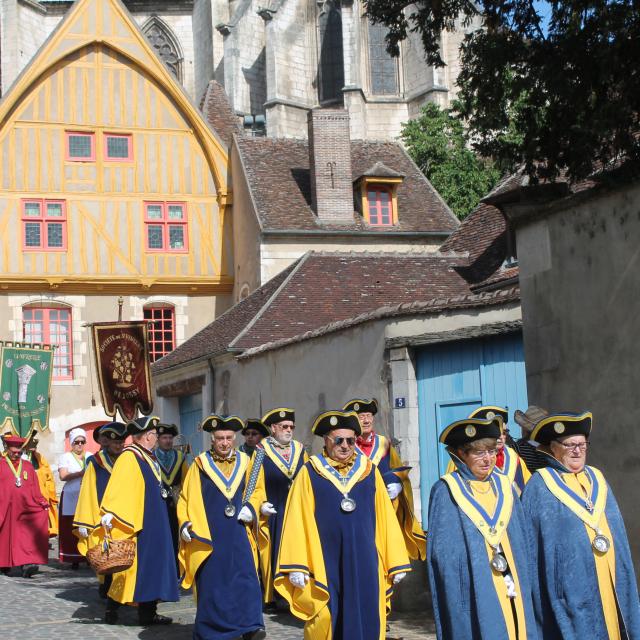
x: 61, y: 603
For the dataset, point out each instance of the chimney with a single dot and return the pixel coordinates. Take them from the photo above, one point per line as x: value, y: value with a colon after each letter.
x: 330, y: 165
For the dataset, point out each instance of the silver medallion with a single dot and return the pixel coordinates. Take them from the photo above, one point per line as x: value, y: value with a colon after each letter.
x: 348, y: 504
x: 18, y: 482
x: 499, y: 562
x: 601, y: 543
x: 229, y: 511
x: 493, y: 531
x: 164, y: 493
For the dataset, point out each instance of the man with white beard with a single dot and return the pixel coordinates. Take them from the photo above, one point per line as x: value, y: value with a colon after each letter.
x: 281, y: 458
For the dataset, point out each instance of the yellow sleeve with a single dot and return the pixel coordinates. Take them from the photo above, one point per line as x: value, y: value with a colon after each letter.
x: 300, y: 550
x: 190, y: 508
x: 124, y: 496
x: 184, y: 468
x: 87, y: 511
x: 389, y: 539
x: 48, y: 489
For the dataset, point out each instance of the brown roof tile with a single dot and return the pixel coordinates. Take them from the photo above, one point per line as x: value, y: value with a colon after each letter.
x: 215, y: 337
x: 217, y: 111
x: 277, y: 172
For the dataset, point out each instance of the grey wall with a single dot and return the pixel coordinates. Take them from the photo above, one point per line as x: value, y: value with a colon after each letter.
x: 580, y: 282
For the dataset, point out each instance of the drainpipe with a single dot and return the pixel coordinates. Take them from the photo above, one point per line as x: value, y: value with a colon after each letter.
x: 212, y: 370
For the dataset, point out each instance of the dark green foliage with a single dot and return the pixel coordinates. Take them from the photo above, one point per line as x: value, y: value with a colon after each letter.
x: 437, y: 143
x: 554, y: 85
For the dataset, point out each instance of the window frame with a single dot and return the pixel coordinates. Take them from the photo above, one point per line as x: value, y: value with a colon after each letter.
x: 166, y: 223
x: 67, y: 149
x: 153, y: 353
x: 105, y: 144
x: 379, y: 187
x: 46, y: 336
x: 43, y: 220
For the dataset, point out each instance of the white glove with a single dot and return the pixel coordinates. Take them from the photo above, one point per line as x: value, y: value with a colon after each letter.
x: 106, y: 520
x: 267, y: 509
x: 394, y: 490
x: 298, y: 579
x: 184, y: 532
x: 245, y: 515
x: 83, y: 532
x: 398, y: 577
x: 511, y: 586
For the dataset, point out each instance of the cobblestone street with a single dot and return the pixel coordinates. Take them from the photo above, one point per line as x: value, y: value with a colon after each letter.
x: 60, y: 603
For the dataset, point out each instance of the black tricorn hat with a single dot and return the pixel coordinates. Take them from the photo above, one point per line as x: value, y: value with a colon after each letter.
x: 214, y: 422
x: 557, y: 425
x: 258, y: 425
x: 463, y: 431
x: 164, y: 429
x: 360, y: 405
x: 112, y: 430
x: 488, y: 412
x: 331, y: 420
x: 140, y: 425
x: 278, y: 415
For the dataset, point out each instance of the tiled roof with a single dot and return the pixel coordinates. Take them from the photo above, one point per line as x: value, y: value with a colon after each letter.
x: 277, y: 172
x: 483, y: 238
x: 331, y: 287
x: 215, y: 337
x: 217, y: 111
x: 380, y: 170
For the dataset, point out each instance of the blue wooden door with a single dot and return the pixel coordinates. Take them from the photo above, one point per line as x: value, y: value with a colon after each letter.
x: 454, y: 378
x: 190, y: 408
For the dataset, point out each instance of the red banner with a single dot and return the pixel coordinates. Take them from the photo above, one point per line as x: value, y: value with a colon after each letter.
x: 122, y: 362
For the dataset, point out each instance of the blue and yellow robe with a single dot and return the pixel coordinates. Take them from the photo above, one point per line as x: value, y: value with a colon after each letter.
x: 581, y: 592
x: 278, y: 476
x: 133, y: 496
x: 388, y: 461
x: 94, y: 483
x: 467, y: 518
x: 221, y: 561
x: 351, y: 558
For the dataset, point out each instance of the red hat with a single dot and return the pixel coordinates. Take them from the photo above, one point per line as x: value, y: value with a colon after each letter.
x: 11, y: 440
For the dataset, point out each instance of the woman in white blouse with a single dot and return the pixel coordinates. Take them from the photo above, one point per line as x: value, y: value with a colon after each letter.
x: 71, y: 468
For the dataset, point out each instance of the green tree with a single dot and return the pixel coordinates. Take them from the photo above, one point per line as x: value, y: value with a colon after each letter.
x: 437, y: 142
x: 562, y: 73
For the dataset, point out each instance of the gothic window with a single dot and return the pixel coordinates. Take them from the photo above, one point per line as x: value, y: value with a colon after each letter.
x: 383, y: 67
x: 330, y: 56
x: 165, y: 44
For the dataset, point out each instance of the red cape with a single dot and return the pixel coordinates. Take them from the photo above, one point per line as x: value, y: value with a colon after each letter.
x: 24, y: 522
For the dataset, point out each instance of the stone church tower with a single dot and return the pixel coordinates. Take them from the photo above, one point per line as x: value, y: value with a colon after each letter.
x: 276, y: 59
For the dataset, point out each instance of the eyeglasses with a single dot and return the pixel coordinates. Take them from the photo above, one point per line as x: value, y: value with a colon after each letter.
x: 79, y: 442
x: 287, y: 426
x: 491, y: 453
x: 574, y: 446
x: 342, y: 439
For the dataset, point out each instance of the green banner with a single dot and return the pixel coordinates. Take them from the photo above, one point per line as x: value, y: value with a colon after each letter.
x: 25, y: 383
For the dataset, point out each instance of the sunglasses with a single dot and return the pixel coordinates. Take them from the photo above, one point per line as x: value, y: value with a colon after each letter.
x: 342, y: 439
x: 79, y: 442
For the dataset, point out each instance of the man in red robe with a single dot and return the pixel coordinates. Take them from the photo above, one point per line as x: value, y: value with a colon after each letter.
x: 24, y: 522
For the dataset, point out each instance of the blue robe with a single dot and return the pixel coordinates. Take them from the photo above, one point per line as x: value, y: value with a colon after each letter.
x: 465, y: 603
x: 567, y: 602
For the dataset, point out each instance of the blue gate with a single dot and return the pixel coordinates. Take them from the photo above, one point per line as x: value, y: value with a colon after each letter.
x: 190, y: 408
x: 453, y: 379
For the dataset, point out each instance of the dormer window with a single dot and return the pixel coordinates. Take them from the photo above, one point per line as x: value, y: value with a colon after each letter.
x: 378, y: 192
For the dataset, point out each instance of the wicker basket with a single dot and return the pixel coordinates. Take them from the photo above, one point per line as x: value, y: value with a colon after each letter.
x: 112, y: 555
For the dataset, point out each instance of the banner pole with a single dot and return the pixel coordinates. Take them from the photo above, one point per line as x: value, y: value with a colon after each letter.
x: 120, y: 303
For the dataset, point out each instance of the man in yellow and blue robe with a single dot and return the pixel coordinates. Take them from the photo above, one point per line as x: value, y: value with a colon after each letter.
x: 133, y: 507
x: 586, y: 580
x: 217, y: 512
x: 94, y: 483
x: 342, y: 549
x: 477, y: 544
x: 396, y: 476
x: 281, y: 458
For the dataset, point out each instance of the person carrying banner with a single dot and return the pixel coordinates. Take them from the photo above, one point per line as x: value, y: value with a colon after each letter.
x: 396, y: 476
x: 24, y: 524
x: 86, y: 520
x: 46, y: 480
x: 217, y: 511
x: 173, y: 469
x: 133, y: 507
x: 342, y: 550
x: 282, y: 458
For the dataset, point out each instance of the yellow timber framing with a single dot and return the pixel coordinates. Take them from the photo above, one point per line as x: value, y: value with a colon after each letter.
x: 107, y: 25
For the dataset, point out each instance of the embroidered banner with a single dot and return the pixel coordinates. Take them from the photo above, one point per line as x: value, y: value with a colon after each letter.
x: 25, y: 384
x: 122, y: 362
